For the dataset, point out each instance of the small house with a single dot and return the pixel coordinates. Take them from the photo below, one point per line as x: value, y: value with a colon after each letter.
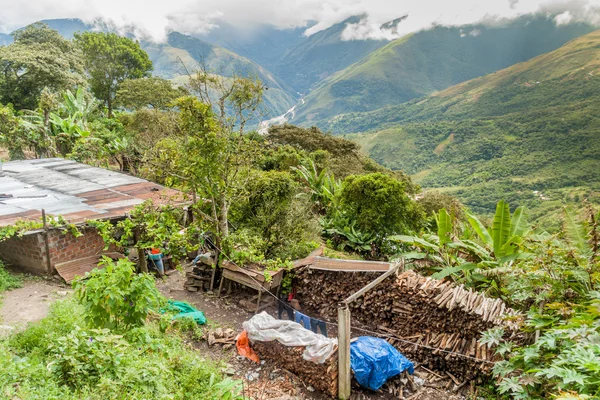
x: 75, y: 191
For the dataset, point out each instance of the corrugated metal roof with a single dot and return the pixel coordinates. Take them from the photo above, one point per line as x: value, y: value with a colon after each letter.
x: 75, y: 191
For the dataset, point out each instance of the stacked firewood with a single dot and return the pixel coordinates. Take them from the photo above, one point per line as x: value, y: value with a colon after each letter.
x: 198, y: 279
x: 322, y: 377
x: 439, y: 316
x: 220, y: 336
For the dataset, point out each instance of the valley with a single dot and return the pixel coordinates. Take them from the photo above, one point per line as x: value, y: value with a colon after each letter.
x: 414, y: 186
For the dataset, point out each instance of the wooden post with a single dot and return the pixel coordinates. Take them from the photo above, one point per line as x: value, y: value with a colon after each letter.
x: 344, y: 376
x: 47, y: 244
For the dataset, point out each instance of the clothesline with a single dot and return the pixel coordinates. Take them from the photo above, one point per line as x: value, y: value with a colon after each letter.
x: 378, y: 334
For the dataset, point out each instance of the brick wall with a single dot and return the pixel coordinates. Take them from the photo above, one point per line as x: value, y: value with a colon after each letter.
x: 26, y: 252
x: 66, y: 247
x: 29, y: 253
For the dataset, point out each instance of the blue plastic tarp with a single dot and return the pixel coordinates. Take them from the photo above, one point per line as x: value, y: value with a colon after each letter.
x: 374, y: 361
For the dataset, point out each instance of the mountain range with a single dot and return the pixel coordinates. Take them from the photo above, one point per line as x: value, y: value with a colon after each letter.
x: 528, y: 133
x: 485, y: 111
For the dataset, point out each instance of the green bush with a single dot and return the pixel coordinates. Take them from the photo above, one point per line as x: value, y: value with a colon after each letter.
x: 116, y: 297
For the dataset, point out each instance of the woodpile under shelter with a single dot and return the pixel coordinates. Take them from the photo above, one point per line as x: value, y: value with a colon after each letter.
x: 78, y: 193
x: 434, y: 323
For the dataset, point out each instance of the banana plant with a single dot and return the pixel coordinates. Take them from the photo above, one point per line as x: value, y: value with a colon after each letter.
x: 507, y: 232
x: 342, y: 230
x: 464, y: 259
x: 322, y: 185
x: 77, y: 106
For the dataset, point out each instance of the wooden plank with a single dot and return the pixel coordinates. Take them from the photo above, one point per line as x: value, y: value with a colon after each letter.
x: 332, y: 264
x: 344, y: 377
x: 371, y: 285
x: 241, y: 278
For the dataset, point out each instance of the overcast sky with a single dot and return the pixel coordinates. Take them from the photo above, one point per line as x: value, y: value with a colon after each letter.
x: 152, y: 18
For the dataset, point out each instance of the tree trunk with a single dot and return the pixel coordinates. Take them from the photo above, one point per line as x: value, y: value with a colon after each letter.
x: 224, y: 220
x: 142, y: 264
x: 109, y: 106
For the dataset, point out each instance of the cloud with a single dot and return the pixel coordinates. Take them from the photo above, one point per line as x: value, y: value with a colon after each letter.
x: 153, y: 18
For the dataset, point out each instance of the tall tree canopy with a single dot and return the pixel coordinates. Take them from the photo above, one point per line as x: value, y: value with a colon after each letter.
x: 109, y: 60
x: 380, y: 205
x: 39, y: 57
x: 153, y: 92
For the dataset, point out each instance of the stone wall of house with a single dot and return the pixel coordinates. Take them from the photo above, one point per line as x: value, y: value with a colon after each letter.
x: 28, y: 252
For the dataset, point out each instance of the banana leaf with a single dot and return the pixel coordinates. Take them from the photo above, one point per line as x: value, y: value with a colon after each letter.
x: 415, y: 241
x: 453, y: 270
x: 501, y: 228
x: 444, y: 224
x: 478, y: 227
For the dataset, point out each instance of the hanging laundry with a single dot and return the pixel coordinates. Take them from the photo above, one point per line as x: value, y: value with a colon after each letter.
x: 283, y: 306
x: 317, y: 324
x: 302, y: 319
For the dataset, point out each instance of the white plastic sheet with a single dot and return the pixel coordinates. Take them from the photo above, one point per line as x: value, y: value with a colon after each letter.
x: 264, y: 328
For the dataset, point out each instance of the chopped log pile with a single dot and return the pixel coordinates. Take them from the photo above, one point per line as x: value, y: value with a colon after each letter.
x: 322, y: 377
x: 439, y: 316
x: 220, y: 336
x: 201, y: 274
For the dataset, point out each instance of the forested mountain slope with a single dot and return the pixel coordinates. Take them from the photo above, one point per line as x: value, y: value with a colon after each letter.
x: 264, y: 44
x: 321, y: 55
x: 529, y: 133
x: 429, y: 61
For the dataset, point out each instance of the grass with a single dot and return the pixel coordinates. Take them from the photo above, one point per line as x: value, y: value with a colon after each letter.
x: 60, y: 357
x: 9, y: 281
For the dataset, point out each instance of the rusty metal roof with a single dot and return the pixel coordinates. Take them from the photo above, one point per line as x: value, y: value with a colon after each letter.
x: 76, y: 191
x: 72, y: 269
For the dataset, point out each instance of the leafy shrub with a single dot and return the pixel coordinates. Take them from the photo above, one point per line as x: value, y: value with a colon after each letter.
x: 85, y: 356
x: 380, y: 205
x: 116, y: 297
x: 565, y: 359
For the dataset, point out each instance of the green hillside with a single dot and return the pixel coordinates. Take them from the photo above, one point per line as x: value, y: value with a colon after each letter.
x: 264, y: 44
x: 529, y: 133
x: 321, y: 55
x: 428, y: 61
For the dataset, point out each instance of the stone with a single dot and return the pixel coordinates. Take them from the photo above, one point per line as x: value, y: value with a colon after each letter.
x: 6, y: 330
x: 206, y: 259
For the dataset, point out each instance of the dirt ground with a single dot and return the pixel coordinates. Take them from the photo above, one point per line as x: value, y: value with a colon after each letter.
x: 261, y: 381
x: 31, y: 302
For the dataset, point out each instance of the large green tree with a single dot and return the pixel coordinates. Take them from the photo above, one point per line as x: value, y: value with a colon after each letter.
x: 39, y: 58
x: 379, y: 204
x: 109, y: 60
x: 153, y: 92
